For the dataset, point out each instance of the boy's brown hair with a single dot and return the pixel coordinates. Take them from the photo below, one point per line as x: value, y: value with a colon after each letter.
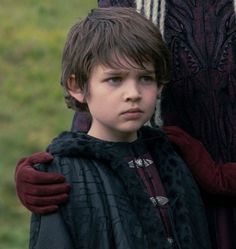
x: 110, y: 36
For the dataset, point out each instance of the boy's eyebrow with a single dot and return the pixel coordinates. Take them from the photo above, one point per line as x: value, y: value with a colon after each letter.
x: 148, y: 71
x: 114, y: 72
x: 120, y: 71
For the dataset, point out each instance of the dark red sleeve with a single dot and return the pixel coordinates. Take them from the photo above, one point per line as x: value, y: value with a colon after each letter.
x: 213, y: 177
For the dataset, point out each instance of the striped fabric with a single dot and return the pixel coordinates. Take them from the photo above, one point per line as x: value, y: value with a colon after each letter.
x: 154, y: 10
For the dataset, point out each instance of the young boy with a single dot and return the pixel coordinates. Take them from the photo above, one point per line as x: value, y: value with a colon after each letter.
x: 130, y: 190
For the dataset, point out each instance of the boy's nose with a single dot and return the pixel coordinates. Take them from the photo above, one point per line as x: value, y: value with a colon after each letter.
x: 132, y: 92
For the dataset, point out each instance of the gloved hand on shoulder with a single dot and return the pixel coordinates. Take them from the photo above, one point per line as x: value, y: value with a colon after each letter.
x: 40, y: 192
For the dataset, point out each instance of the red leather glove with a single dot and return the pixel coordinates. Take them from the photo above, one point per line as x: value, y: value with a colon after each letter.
x: 40, y: 192
x: 213, y: 177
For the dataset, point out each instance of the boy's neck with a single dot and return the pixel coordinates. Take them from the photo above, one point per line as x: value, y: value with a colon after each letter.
x: 113, y: 136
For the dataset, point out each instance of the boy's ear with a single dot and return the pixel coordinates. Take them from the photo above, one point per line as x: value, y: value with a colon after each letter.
x: 74, y: 90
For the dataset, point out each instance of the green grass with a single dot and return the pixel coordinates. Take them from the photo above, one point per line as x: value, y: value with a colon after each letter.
x: 32, y: 106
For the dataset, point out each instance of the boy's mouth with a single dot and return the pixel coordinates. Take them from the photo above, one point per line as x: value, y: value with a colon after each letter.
x: 133, y: 110
x: 133, y: 113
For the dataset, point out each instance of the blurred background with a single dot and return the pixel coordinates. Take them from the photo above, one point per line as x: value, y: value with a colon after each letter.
x: 32, y: 109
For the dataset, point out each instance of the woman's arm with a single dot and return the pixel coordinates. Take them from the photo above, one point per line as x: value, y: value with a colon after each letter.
x: 214, y: 178
x: 41, y: 192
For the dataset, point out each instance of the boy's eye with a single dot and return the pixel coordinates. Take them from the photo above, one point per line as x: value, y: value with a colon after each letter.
x: 114, y: 80
x: 147, y: 79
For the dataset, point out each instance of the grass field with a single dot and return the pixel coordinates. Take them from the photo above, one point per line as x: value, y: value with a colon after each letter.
x: 32, y: 106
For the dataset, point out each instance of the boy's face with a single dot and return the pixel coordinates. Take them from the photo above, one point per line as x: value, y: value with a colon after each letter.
x: 120, y: 101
